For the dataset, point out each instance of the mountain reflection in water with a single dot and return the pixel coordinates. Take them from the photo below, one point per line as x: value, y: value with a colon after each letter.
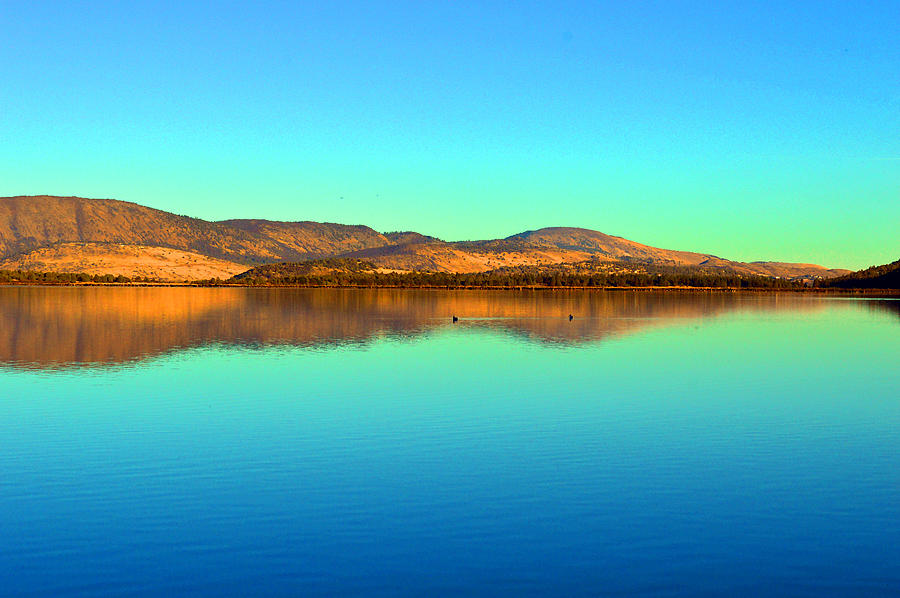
x: 48, y: 327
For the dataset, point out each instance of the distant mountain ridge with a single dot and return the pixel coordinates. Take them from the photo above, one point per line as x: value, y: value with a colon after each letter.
x: 312, y: 240
x: 77, y: 229
x: 554, y: 245
x: 133, y: 261
x: 30, y: 222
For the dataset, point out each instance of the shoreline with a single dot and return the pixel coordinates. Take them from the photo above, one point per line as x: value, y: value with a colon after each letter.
x: 201, y: 284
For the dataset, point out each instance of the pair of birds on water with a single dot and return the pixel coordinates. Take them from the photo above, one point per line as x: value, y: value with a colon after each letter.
x: 455, y: 319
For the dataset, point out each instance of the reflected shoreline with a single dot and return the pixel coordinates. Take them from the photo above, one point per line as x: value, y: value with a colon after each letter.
x: 809, y: 291
x: 43, y: 327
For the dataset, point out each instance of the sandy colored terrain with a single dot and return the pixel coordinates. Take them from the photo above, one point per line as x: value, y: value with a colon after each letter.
x: 47, y: 232
x: 162, y: 263
x: 30, y: 222
x: 489, y: 255
x: 448, y: 257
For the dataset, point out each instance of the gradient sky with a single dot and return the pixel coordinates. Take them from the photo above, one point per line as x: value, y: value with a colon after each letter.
x: 750, y: 130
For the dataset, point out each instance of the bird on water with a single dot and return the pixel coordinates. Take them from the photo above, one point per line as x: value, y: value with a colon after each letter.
x: 455, y: 319
x: 571, y: 317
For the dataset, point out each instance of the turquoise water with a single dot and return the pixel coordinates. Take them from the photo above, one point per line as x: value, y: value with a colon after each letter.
x: 212, y: 442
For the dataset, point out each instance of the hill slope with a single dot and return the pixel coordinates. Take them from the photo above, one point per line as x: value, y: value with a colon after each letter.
x: 560, y: 245
x: 605, y: 246
x: 311, y: 240
x: 876, y: 277
x: 68, y: 223
x: 608, y: 246
x: 29, y: 222
x: 133, y: 261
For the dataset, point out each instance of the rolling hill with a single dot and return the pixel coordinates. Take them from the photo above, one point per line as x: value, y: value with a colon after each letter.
x: 133, y: 261
x: 72, y: 234
x: 27, y: 223
x: 876, y: 277
x: 557, y: 245
x: 30, y: 222
x: 311, y: 240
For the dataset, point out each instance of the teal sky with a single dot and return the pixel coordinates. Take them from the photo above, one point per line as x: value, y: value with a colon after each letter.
x: 748, y: 130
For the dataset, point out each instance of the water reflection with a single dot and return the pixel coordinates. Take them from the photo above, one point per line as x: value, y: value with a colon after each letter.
x: 891, y: 306
x: 42, y: 327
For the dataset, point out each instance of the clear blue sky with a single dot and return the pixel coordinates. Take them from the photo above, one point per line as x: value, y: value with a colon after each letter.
x: 755, y: 130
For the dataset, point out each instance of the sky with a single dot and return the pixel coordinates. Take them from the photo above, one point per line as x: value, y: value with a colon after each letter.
x: 751, y: 130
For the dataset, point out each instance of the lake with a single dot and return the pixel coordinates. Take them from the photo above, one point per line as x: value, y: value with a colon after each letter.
x: 302, y: 442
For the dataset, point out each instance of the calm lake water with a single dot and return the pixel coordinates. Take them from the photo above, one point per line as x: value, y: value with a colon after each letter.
x: 238, y: 442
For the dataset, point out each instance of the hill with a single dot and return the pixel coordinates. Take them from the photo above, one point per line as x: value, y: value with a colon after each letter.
x: 464, y: 257
x: 30, y: 222
x: 72, y: 233
x: 312, y: 268
x: 133, y: 261
x: 876, y: 277
x: 27, y: 223
x: 407, y: 236
x: 559, y: 245
x: 311, y: 240
x: 605, y: 246
x: 608, y: 246
x: 341, y: 272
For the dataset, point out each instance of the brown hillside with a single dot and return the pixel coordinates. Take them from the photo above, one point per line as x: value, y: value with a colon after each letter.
x: 133, y: 261
x: 559, y: 246
x: 30, y: 222
x: 312, y: 240
x: 611, y: 247
x: 464, y: 257
x: 27, y: 223
x: 408, y: 236
x: 617, y: 248
x: 787, y: 270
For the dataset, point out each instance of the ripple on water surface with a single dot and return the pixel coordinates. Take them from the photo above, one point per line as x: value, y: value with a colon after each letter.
x: 285, y: 442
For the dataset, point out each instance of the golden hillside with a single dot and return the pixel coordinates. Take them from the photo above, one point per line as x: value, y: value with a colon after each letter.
x: 133, y: 261
x: 311, y: 240
x: 29, y: 222
x: 72, y: 234
x: 563, y: 246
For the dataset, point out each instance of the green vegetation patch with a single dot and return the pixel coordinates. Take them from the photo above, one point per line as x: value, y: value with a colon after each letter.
x: 28, y: 276
x: 291, y: 272
x: 342, y: 272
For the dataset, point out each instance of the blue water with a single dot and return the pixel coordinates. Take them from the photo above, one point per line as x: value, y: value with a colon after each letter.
x: 237, y: 442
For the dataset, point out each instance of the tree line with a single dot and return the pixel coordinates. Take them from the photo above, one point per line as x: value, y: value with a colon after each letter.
x: 503, y: 278
x: 522, y: 279
x: 29, y: 276
x: 886, y: 276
